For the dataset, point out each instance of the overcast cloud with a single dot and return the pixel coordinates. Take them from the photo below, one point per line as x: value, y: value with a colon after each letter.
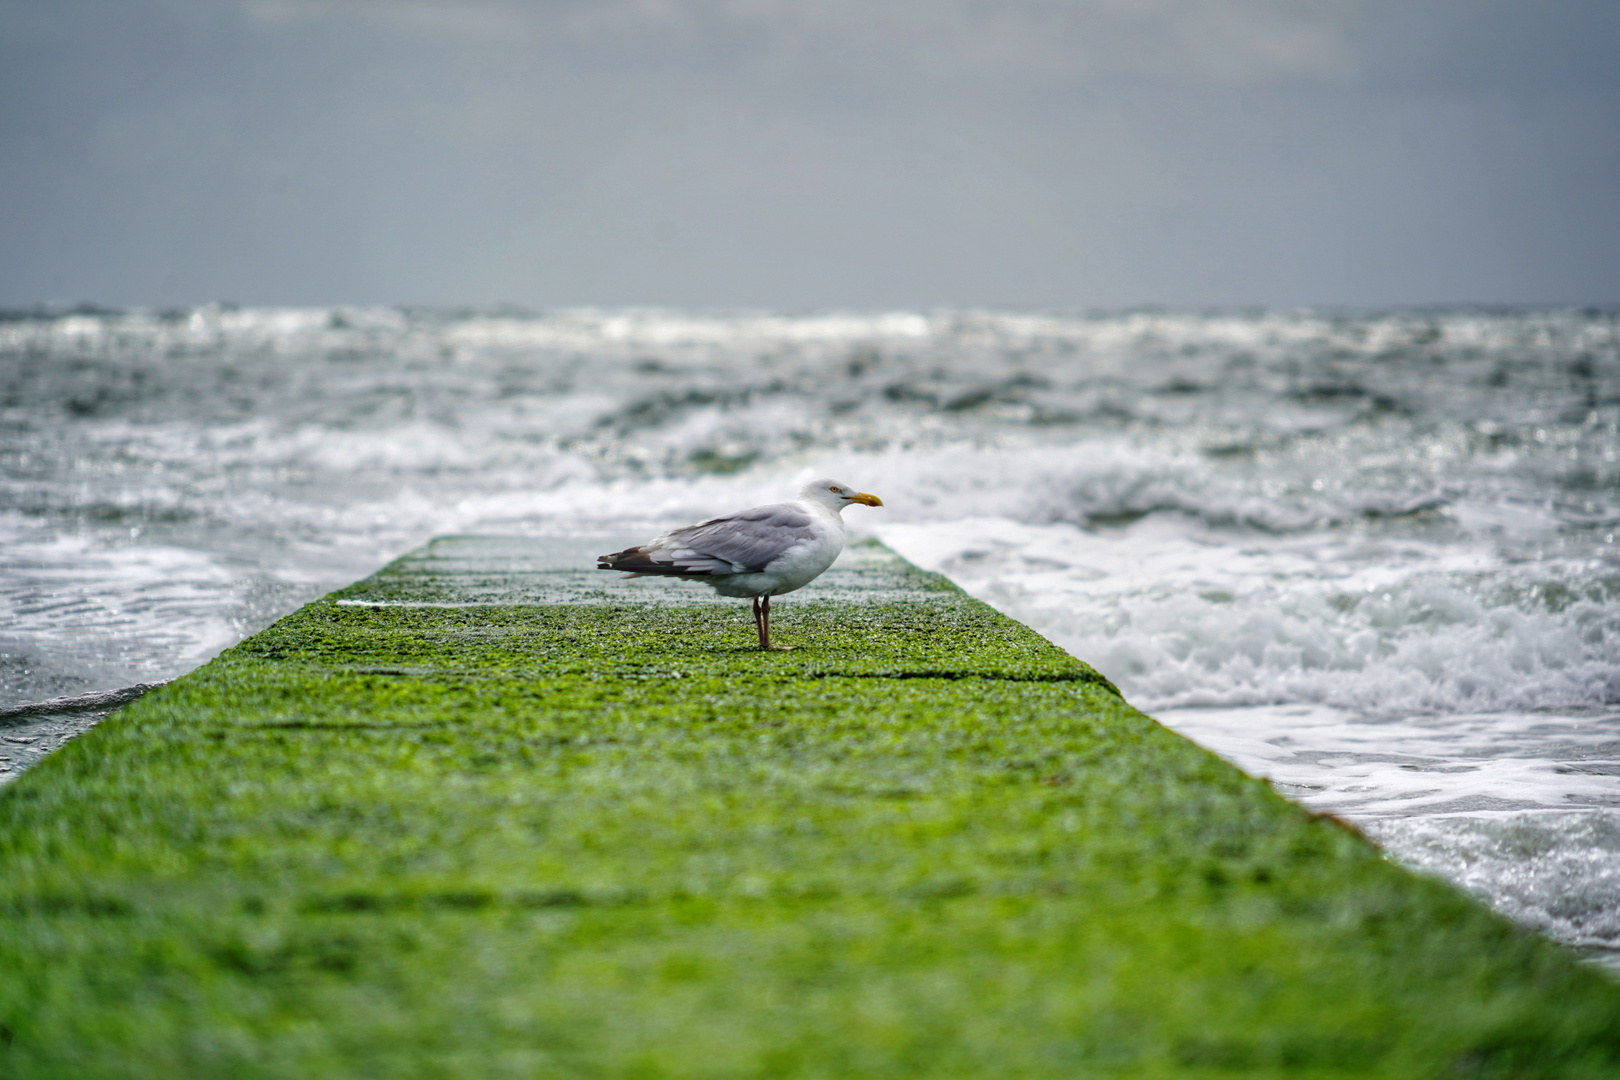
x: 766, y: 153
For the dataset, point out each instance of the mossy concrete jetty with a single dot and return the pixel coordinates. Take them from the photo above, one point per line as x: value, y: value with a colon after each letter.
x: 486, y: 814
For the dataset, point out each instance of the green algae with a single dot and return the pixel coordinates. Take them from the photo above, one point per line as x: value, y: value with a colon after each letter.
x: 416, y: 830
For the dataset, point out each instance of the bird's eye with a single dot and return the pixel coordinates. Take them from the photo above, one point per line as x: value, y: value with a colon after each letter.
x: 836, y: 490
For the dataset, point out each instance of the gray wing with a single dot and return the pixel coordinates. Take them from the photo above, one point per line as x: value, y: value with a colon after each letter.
x: 742, y: 543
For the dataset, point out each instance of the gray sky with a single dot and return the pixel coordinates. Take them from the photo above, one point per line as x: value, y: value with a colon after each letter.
x: 810, y: 154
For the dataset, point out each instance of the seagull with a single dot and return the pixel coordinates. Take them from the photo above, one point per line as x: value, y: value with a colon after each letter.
x: 761, y: 553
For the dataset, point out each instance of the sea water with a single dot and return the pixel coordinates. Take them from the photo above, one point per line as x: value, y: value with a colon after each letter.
x: 1370, y: 556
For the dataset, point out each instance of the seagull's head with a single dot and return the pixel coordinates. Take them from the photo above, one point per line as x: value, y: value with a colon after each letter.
x: 835, y: 495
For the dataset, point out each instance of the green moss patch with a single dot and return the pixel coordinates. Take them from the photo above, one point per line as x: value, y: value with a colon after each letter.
x: 550, y: 825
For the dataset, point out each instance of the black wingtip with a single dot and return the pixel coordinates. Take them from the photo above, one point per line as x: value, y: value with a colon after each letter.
x: 609, y: 561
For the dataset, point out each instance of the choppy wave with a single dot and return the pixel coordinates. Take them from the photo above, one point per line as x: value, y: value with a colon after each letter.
x: 1178, y: 616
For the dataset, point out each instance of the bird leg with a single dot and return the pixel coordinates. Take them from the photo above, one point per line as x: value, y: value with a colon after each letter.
x: 762, y: 619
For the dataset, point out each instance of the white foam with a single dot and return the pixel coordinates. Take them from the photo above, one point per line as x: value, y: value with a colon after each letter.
x: 79, y: 613
x: 1179, y: 617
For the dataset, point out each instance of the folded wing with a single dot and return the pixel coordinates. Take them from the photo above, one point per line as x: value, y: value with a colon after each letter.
x: 744, y: 543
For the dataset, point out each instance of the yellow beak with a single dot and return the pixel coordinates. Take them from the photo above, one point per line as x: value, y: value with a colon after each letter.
x: 868, y: 500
